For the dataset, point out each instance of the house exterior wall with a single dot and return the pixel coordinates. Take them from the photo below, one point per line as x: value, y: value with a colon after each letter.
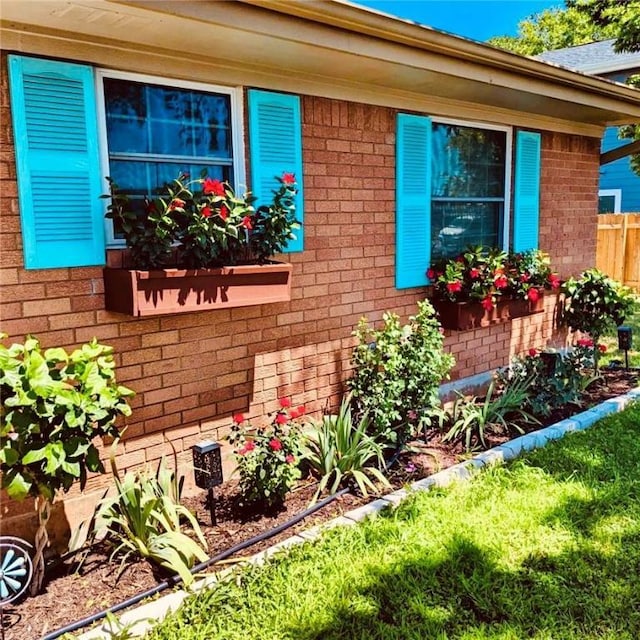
x: 192, y: 371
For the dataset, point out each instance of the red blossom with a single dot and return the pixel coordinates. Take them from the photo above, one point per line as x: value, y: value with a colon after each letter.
x: 224, y: 212
x: 246, y: 223
x: 293, y: 414
x: 249, y: 446
x: 206, y: 212
x: 533, y: 294
x: 301, y: 410
x: 275, y: 444
x: 487, y: 303
x: 431, y: 274
x: 533, y: 352
x: 454, y: 287
x: 501, y: 281
x: 290, y: 459
x: 554, y: 280
x: 585, y: 342
x: 213, y: 186
x: 525, y: 277
x: 602, y: 348
x: 176, y: 203
x: 474, y: 273
x: 281, y: 418
x: 288, y: 178
x: 238, y: 418
x: 285, y: 403
x: 460, y: 259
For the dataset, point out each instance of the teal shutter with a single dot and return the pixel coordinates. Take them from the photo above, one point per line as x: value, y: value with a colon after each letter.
x: 526, y: 209
x: 413, y: 200
x: 54, y: 125
x: 275, y: 141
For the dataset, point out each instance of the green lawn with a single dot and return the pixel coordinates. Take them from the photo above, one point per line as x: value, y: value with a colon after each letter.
x: 546, y: 548
x: 612, y: 343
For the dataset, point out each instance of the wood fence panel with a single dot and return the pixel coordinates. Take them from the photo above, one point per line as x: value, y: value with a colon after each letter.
x: 618, y: 250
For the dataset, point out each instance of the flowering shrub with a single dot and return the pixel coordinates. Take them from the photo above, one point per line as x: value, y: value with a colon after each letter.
x: 486, y: 276
x: 267, y: 457
x: 203, y: 223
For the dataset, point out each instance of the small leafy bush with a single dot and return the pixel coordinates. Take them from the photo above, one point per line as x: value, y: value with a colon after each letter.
x: 267, y: 457
x: 470, y: 419
x: 143, y: 518
x: 339, y: 452
x: 548, y: 390
x: 595, y: 303
x: 397, y: 371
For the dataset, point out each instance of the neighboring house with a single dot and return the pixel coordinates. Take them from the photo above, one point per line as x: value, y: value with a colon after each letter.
x: 398, y: 135
x: 619, y: 184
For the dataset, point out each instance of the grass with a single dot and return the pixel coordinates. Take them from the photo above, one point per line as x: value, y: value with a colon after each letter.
x: 546, y: 548
x: 611, y: 342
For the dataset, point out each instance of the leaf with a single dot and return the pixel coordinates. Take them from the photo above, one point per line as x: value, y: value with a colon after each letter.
x: 17, y: 487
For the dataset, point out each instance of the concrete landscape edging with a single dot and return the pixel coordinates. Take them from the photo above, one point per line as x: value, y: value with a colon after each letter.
x: 139, y: 620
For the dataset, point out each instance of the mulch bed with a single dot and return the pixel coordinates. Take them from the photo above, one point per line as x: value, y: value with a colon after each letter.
x: 71, y: 593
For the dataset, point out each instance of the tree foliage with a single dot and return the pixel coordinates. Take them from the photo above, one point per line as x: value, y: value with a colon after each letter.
x: 621, y: 16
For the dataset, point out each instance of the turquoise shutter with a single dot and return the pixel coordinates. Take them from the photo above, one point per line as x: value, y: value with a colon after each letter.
x: 413, y: 200
x: 54, y: 125
x: 526, y: 210
x: 275, y: 141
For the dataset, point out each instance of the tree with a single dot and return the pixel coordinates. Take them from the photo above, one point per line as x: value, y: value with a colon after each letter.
x: 553, y: 29
x: 622, y: 16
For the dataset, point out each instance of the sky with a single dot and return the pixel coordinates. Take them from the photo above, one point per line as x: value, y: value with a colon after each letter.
x: 477, y: 19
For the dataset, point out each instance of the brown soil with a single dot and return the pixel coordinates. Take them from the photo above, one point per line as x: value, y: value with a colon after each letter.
x: 71, y: 593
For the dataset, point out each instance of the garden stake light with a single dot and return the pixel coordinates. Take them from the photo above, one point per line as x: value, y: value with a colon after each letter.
x: 625, y: 341
x: 207, y: 467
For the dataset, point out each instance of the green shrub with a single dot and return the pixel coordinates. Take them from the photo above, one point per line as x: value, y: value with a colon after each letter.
x: 339, y: 452
x: 267, y: 457
x: 143, y: 519
x: 595, y: 303
x: 397, y: 371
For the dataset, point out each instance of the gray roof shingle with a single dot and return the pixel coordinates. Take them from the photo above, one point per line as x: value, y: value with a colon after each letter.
x: 585, y: 56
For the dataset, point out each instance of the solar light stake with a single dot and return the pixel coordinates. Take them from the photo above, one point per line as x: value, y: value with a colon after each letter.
x: 625, y: 342
x: 207, y: 468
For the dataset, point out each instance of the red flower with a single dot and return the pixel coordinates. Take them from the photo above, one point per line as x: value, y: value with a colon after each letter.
x: 501, y: 281
x: 249, y: 446
x: 281, y: 418
x: 533, y: 294
x: 206, y: 212
x: 213, y: 186
x: 487, y: 303
x: 525, y: 277
x: 431, y: 274
x: 275, y: 444
x: 176, y: 203
x: 238, y: 418
x: 454, y: 287
x: 602, y: 348
x: 290, y: 459
x: 224, y: 212
x: 301, y: 410
x: 246, y: 223
x: 460, y: 259
x: 585, y: 342
x: 285, y: 403
x: 554, y: 281
x: 474, y: 273
x: 533, y: 352
x: 288, y: 178
x: 293, y: 414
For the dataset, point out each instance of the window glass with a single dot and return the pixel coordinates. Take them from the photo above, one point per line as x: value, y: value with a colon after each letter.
x: 467, y: 188
x: 606, y: 204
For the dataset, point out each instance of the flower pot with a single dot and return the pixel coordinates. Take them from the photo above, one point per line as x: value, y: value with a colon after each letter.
x: 166, y: 291
x: 463, y: 316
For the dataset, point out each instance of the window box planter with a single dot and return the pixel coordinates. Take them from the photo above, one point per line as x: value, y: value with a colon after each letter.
x: 463, y: 316
x: 166, y: 291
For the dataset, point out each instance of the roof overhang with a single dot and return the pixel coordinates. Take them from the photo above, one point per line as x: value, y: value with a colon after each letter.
x: 320, y: 47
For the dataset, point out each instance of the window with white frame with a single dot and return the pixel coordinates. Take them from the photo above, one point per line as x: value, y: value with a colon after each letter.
x: 609, y: 200
x: 155, y: 129
x: 470, y: 174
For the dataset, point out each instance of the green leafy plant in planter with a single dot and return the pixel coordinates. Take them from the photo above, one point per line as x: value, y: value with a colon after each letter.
x: 594, y: 303
x: 268, y: 457
x: 203, y: 222
x: 397, y: 371
x: 339, y: 452
x: 144, y: 516
x: 54, y: 405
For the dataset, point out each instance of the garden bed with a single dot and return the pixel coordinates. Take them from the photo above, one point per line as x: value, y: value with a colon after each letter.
x: 69, y: 596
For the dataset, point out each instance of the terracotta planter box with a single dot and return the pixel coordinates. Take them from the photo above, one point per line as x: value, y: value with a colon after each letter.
x: 166, y: 291
x: 462, y: 316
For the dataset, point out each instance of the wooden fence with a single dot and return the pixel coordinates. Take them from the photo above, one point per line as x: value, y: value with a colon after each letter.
x: 618, y: 252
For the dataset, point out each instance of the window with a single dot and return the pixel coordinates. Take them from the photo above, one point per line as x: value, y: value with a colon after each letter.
x: 153, y: 129
x: 609, y: 200
x: 468, y: 187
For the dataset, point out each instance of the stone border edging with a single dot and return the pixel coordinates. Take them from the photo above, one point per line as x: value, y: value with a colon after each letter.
x: 142, y: 618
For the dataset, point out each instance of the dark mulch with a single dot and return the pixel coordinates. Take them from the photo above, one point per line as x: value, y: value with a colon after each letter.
x: 71, y: 593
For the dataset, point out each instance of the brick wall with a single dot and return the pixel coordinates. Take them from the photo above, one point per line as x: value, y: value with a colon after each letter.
x: 192, y: 371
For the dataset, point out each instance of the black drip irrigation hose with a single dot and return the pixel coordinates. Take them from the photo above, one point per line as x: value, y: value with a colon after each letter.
x: 176, y: 580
